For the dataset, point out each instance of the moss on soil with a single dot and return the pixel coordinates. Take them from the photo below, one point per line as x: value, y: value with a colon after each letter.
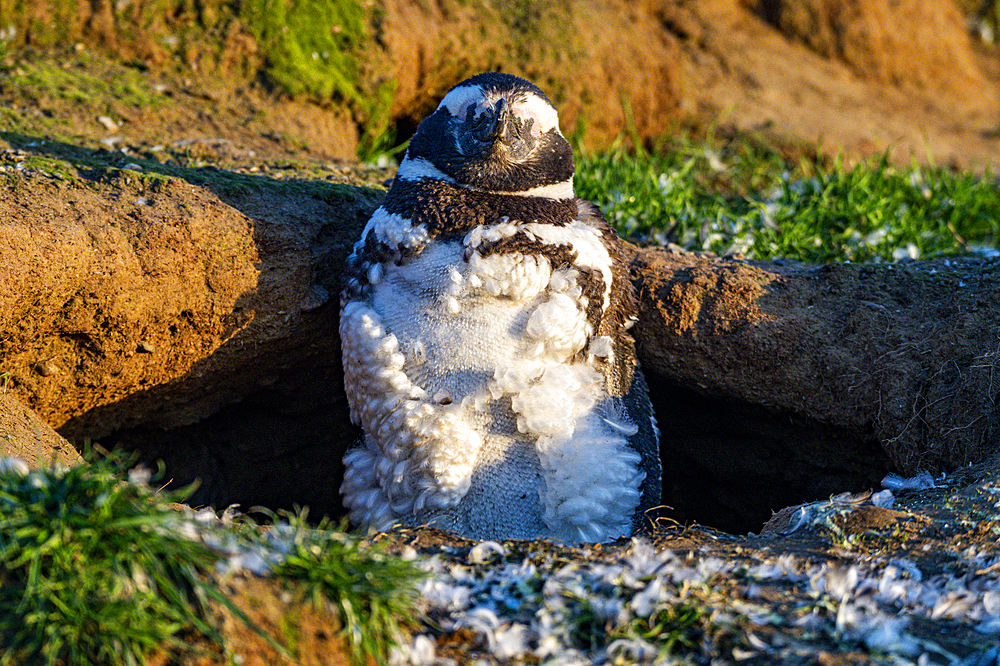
x: 328, y: 52
x: 44, y: 78
x: 72, y: 163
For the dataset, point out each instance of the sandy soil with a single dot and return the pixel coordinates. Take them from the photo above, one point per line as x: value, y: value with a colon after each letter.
x: 720, y: 64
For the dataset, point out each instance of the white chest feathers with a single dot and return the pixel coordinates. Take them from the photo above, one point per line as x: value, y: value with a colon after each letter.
x: 476, y: 379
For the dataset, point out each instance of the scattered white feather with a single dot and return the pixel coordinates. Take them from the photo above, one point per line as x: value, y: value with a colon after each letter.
x: 14, y: 466
x: 871, y: 604
x: 422, y: 651
x: 485, y: 551
x: 921, y: 481
x: 883, y: 498
x: 990, y: 626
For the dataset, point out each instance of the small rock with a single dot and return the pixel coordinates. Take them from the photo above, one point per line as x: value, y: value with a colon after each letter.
x: 46, y: 368
x: 132, y: 166
x: 145, y: 347
x: 108, y: 123
x: 316, y: 297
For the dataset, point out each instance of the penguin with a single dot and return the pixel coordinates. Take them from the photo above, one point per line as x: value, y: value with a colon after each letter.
x: 485, y: 330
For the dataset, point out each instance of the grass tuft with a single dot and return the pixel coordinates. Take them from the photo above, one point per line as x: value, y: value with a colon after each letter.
x: 91, y: 571
x: 328, y: 51
x: 97, y: 570
x: 42, y: 79
x: 373, y: 593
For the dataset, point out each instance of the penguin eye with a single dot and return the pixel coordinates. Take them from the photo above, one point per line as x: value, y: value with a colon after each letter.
x: 467, y: 111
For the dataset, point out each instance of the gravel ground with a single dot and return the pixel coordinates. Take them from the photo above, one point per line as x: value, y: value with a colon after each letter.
x: 908, y: 575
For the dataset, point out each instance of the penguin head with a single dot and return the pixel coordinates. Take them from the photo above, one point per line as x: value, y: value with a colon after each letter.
x: 497, y: 133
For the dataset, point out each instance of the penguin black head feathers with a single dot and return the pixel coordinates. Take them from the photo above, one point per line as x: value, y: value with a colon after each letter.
x: 496, y: 133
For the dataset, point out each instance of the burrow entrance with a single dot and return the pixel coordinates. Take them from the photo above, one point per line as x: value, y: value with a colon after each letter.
x: 726, y: 465
x: 729, y: 465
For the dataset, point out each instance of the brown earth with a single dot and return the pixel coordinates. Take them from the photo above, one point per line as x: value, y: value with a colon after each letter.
x: 25, y: 436
x: 294, y: 631
x: 827, y: 376
x: 873, y: 81
x: 189, y: 311
x: 199, y: 329
x: 149, y: 308
x: 860, y: 77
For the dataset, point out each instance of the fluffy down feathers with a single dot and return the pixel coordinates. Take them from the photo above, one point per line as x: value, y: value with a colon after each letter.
x: 484, y: 327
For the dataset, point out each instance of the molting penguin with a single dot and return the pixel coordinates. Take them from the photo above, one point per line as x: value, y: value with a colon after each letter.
x: 485, y: 332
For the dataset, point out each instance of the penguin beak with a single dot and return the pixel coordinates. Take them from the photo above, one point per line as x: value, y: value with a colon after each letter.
x: 496, y: 130
x: 498, y: 125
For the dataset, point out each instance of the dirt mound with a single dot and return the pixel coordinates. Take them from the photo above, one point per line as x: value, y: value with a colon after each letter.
x: 740, y: 68
x: 24, y: 435
x: 126, y: 284
x: 910, y: 43
x: 611, y: 68
x: 135, y: 296
x: 864, y: 77
x: 825, y: 377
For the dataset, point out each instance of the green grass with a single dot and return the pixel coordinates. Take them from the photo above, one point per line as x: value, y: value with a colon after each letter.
x: 674, y: 628
x: 73, y: 162
x: 94, y: 570
x: 372, y: 593
x: 744, y: 199
x: 91, y: 573
x: 624, y: 618
x: 328, y: 51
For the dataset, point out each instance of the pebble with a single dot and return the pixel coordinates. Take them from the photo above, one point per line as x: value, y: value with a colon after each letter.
x: 47, y: 368
x: 108, y: 123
